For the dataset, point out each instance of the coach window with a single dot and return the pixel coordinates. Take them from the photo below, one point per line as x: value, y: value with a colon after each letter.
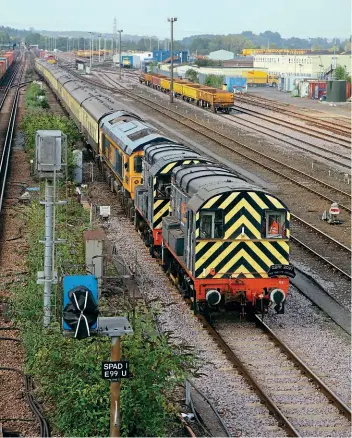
x: 274, y: 224
x: 211, y: 224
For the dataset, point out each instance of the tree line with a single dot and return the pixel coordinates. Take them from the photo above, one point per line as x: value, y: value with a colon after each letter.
x: 197, y: 44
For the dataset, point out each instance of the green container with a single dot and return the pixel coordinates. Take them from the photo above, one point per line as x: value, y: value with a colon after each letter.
x: 336, y: 91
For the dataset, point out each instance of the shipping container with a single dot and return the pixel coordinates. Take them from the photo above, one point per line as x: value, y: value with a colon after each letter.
x: 236, y: 84
x: 9, y: 57
x: 5, y: 61
x: 316, y: 89
x: 303, y: 87
x: 136, y: 61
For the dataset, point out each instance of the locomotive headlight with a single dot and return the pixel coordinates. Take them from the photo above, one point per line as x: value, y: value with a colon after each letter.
x: 277, y: 296
x: 213, y: 297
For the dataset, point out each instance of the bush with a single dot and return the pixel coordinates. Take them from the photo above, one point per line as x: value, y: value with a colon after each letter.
x: 157, y: 367
x: 36, y: 97
x: 192, y: 75
x: 215, y: 81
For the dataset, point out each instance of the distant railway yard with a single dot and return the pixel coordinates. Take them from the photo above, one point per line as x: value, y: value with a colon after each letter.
x: 219, y: 226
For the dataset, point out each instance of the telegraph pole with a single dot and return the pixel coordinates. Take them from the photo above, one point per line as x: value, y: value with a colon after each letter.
x: 172, y: 20
x: 120, y: 58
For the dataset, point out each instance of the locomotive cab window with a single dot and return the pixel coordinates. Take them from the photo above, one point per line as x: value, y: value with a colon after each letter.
x: 211, y: 224
x: 138, y: 165
x: 274, y: 224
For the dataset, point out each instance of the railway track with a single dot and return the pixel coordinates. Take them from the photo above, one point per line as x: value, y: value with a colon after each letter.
x: 6, y: 148
x: 296, y: 127
x: 262, y: 102
x: 272, y: 133
x: 317, y: 246
x: 285, y: 384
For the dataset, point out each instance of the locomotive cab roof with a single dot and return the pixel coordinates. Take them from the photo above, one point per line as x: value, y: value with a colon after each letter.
x: 160, y: 155
x: 129, y: 131
x: 204, y: 181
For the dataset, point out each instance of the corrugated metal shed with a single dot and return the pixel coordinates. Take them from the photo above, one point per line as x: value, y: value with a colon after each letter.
x: 221, y: 55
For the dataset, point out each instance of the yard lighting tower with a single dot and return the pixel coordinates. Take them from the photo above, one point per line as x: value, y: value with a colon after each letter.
x: 120, y: 59
x: 172, y: 20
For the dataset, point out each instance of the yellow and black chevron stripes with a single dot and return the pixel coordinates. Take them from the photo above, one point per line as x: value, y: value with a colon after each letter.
x: 170, y: 166
x: 243, y: 213
x: 239, y: 259
x: 161, y: 208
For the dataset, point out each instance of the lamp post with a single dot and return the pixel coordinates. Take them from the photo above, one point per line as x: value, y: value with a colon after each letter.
x: 99, y: 36
x: 91, y: 50
x: 172, y: 20
x: 120, y: 60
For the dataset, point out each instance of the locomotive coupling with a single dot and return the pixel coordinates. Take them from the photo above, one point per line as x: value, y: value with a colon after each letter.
x: 213, y: 297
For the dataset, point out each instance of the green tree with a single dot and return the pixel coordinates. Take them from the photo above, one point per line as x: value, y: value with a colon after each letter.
x: 342, y: 74
x: 4, y: 38
x: 192, y: 75
x: 33, y: 38
x: 215, y: 81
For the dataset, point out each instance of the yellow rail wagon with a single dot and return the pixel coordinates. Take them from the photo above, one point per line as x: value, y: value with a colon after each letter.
x: 190, y: 92
x: 165, y: 84
x: 215, y: 99
x: 178, y: 84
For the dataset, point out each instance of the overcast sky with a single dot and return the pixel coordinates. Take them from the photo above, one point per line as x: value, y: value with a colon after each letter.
x: 301, y: 18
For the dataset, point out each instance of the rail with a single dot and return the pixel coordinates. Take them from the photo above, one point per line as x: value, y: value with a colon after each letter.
x: 294, y: 126
x: 6, y: 152
x: 333, y: 398
x: 279, y: 108
x: 267, y: 400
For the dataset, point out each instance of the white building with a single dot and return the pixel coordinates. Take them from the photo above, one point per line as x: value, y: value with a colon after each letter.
x: 301, y: 65
x: 221, y: 55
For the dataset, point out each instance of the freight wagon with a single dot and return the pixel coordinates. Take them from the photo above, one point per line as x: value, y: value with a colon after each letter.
x: 200, y: 95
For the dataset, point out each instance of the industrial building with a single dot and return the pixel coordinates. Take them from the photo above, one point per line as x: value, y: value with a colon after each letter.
x: 221, y: 55
x: 313, y: 66
x: 180, y: 56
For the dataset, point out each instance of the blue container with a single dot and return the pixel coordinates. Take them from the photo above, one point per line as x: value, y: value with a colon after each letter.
x: 236, y: 82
